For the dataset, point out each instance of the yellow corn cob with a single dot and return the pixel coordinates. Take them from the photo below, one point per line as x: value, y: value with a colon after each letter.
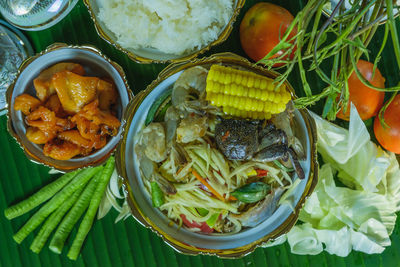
x: 252, y: 95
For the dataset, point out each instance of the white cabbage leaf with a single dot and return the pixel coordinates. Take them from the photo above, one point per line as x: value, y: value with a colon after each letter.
x: 360, y: 215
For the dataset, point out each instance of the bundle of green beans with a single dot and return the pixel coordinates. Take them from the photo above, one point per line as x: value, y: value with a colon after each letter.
x: 342, y: 39
x: 75, y: 193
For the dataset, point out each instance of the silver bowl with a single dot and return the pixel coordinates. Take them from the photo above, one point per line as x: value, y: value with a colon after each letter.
x: 184, y: 241
x: 95, y: 64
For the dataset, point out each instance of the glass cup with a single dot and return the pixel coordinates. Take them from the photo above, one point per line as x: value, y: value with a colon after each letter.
x: 35, y: 15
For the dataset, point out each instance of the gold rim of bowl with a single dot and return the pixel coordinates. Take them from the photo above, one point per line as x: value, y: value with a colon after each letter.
x: 227, y: 58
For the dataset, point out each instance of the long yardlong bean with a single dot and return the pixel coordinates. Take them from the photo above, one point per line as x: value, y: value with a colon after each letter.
x: 52, y: 222
x: 39, y: 197
x: 63, y: 230
x: 79, y: 181
x: 87, y: 221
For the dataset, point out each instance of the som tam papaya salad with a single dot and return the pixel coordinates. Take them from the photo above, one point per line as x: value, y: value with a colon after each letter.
x: 221, y: 152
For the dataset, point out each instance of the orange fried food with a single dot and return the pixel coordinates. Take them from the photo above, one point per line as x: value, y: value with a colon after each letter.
x: 76, y: 138
x: 42, y: 118
x: 46, y: 120
x: 54, y: 104
x: 73, y: 115
x: 94, y: 114
x: 61, y: 150
x: 37, y: 136
x: 73, y: 90
x: 64, y: 124
x: 42, y: 83
x: 26, y: 103
x: 90, y: 130
x: 107, y: 94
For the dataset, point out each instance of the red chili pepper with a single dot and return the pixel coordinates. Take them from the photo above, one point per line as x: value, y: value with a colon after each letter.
x: 203, y: 226
x: 225, y: 136
x: 261, y: 173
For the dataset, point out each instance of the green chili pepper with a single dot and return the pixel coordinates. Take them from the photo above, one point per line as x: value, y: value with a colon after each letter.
x: 202, y: 211
x: 158, y: 105
x: 251, y: 193
x: 156, y: 195
x: 212, y: 220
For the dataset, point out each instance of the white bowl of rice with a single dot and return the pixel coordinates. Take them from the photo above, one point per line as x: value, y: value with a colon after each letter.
x: 159, y: 31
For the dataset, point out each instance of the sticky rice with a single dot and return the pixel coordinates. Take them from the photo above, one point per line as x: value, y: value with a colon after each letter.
x: 170, y: 26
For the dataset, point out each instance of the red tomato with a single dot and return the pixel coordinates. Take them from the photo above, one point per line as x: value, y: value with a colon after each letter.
x: 261, y: 29
x: 389, y: 137
x: 367, y: 101
x: 203, y: 226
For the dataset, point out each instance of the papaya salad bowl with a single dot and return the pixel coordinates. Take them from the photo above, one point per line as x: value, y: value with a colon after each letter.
x: 215, y: 159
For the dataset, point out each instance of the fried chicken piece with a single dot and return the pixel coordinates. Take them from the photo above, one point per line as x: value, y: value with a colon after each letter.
x: 46, y: 120
x: 90, y: 130
x: 64, y: 124
x: 92, y: 113
x: 107, y: 94
x: 42, y: 83
x: 76, y: 138
x: 37, y: 136
x: 74, y: 91
x: 26, y: 103
x: 54, y: 104
x: 61, y: 150
x: 40, y: 117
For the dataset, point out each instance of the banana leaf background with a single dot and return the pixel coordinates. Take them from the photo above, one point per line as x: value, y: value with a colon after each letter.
x: 127, y: 243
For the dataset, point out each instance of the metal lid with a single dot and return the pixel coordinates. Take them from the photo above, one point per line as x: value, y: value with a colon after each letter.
x: 14, y: 49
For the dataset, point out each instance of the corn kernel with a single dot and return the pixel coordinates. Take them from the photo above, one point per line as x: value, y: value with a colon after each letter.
x: 264, y: 95
x: 263, y: 84
x: 228, y: 79
x: 260, y: 106
x: 234, y: 89
x: 250, y: 82
x: 271, y: 96
x: 244, y: 81
x: 277, y: 98
x: 244, y: 91
x: 252, y: 92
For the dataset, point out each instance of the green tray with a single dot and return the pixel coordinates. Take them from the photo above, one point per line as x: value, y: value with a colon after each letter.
x: 127, y: 243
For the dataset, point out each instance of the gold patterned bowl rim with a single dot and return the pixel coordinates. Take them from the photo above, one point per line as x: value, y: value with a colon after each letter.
x: 139, y: 214
x: 139, y: 59
x: 31, y: 155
